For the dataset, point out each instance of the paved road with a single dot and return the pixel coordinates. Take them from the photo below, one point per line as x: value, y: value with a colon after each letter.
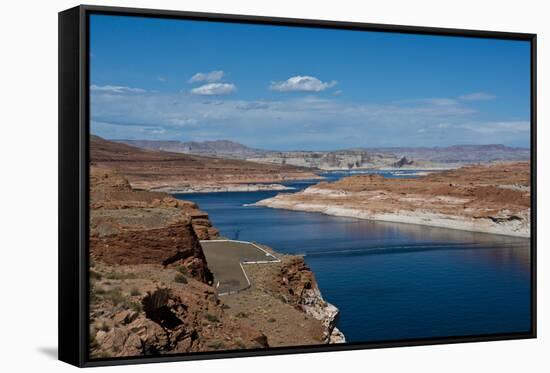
x: 225, y: 258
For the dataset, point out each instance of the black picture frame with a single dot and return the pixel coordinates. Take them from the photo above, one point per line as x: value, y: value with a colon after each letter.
x: 74, y: 184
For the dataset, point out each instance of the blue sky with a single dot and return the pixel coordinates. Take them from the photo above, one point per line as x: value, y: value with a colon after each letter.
x: 303, y: 88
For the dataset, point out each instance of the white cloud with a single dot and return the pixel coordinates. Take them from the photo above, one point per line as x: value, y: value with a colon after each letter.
x: 212, y: 89
x: 115, y: 89
x: 298, y: 121
x: 477, y: 96
x: 253, y: 105
x: 441, y: 101
x: 511, y: 127
x: 210, y: 77
x: 302, y: 83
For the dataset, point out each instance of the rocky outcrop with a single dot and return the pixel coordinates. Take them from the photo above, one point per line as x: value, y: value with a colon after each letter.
x: 162, y: 170
x: 297, y: 283
x: 150, y: 285
x: 424, y: 157
x: 402, y: 162
x: 492, y: 199
x: 136, y: 227
x: 334, y: 160
x: 134, y: 313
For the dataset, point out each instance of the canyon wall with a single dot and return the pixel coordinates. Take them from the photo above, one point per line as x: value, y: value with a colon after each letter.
x: 151, y: 288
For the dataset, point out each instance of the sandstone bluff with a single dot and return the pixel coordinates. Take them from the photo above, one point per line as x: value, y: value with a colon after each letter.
x: 151, y: 289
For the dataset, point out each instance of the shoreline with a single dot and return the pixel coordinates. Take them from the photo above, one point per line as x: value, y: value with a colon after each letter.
x: 148, y: 261
x: 417, y: 217
x: 220, y: 188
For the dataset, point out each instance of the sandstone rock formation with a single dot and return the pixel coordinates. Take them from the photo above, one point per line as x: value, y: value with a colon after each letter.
x: 493, y: 199
x: 298, y: 283
x: 150, y: 285
x: 160, y: 170
x: 389, y: 157
x: 402, y: 162
x: 136, y: 227
x: 136, y: 311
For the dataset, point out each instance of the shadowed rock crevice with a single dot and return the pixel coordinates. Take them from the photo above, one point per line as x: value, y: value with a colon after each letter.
x: 157, y: 308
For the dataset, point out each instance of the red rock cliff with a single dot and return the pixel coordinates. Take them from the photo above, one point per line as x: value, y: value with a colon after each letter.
x: 138, y: 227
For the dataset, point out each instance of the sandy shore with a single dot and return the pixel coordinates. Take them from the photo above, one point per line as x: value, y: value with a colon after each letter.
x: 210, y: 188
x: 511, y: 228
x: 491, y: 199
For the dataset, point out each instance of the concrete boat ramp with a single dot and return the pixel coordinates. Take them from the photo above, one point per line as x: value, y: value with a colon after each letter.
x: 226, y: 259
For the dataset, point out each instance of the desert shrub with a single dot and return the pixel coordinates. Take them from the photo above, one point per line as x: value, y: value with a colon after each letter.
x: 179, y: 278
x: 119, y: 299
x: 95, y: 275
x: 217, y: 345
x: 183, y: 270
x: 239, y: 342
x: 211, y: 318
x: 136, y: 306
x: 120, y: 275
x: 115, y: 296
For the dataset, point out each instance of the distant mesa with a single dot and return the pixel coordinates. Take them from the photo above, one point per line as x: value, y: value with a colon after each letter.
x: 217, y: 147
x: 176, y: 172
x: 346, y: 159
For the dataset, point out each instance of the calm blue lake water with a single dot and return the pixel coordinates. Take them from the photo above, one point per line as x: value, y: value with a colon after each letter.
x: 391, y: 281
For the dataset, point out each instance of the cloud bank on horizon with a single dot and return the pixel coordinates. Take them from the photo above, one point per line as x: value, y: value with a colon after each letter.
x: 308, y: 89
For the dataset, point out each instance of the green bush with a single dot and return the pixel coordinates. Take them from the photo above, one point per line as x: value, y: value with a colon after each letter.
x: 180, y: 278
x: 136, y: 306
x: 119, y: 299
x: 183, y: 270
x: 115, y: 296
